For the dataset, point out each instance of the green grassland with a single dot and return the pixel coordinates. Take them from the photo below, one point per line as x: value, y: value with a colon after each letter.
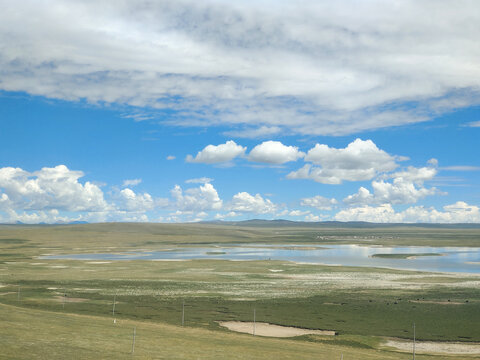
x: 363, y: 305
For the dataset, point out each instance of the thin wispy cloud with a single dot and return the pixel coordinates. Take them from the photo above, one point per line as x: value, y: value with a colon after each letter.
x: 132, y: 182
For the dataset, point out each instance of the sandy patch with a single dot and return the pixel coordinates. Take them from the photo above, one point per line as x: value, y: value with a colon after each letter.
x: 472, y: 262
x: 437, y: 302
x: 58, y: 267
x: 430, y: 347
x: 52, y: 288
x: 266, y: 329
x: 99, y: 262
x: 275, y: 270
x: 38, y: 263
x: 60, y: 298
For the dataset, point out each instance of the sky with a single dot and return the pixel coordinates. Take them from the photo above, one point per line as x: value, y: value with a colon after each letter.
x: 185, y: 111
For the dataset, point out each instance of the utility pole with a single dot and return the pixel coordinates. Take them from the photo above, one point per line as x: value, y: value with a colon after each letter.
x: 64, y: 298
x: 114, y: 300
x: 254, y: 321
x: 133, y: 342
x: 413, y: 341
x: 183, y: 312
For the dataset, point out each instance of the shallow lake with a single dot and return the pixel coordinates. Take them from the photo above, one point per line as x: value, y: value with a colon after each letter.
x: 452, y: 259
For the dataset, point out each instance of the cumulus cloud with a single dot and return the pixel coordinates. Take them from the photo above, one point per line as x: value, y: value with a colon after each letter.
x: 319, y: 202
x: 133, y: 182
x: 35, y: 217
x: 49, y: 188
x: 202, y: 198
x: 360, y: 160
x: 274, y: 152
x: 213, y: 154
x: 416, y: 175
x: 460, y: 212
x: 298, y: 213
x: 313, y: 218
x: 406, y: 188
x: 130, y: 201
x: 244, y: 202
x: 310, y: 67
x: 433, y: 162
x: 378, y: 214
x: 220, y: 216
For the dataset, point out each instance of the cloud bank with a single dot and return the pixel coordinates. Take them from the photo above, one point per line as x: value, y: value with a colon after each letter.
x: 263, y: 67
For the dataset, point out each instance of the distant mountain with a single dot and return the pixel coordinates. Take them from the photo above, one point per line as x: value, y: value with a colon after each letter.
x: 336, y: 224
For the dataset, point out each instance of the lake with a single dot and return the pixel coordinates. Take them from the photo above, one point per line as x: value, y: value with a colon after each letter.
x: 452, y: 259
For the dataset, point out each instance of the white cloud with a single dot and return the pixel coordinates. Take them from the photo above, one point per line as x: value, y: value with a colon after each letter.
x: 433, y: 162
x: 311, y: 67
x: 133, y: 182
x: 406, y: 188
x: 319, y: 202
x: 128, y: 200
x: 171, y: 157
x: 220, y: 216
x: 474, y: 124
x: 378, y: 214
x: 313, y: 218
x: 202, y: 180
x: 32, y: 217
x: 244, y: 202
x: 50, y: 188
x: 202, y: 198
x: 274, y: 152
x: 260, y: 132
x: 213, y: 154
x: 360, y: 160
x: 416, y: 175
x: 201, y: 215
x: 460, y: 212
x: 298, y: 213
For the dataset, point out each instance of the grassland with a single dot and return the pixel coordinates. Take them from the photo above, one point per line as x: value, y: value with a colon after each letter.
x: 365, y: 306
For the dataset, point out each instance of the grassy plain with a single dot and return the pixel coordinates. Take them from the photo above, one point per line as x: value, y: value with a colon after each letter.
x: 364, y: 305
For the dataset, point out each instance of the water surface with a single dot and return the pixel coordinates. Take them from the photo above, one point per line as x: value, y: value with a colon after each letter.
x: 454, y: 259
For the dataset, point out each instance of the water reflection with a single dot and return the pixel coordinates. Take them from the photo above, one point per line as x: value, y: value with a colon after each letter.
x: 453, y: 259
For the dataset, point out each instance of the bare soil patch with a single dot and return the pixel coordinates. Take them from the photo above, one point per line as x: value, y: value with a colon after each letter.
x: 437, y: 302
x: 430, y: 347
x: 266, y: 329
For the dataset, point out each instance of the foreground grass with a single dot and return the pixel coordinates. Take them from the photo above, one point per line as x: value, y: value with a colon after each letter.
x: 47, y: 335
x: 384, y: 302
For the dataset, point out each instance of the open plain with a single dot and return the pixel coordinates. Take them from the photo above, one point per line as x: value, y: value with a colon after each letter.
x: 54, y: 308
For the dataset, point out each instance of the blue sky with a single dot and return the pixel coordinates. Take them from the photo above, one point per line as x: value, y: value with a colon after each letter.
x: 140, y: 111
